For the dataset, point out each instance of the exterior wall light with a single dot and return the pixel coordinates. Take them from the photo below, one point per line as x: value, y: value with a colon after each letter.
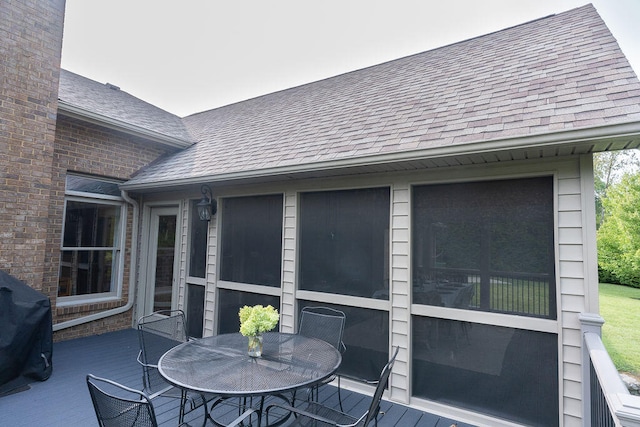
x: 207, y: 206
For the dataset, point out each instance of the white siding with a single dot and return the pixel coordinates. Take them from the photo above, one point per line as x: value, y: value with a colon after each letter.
x: 183, y: 231
x: 400, y: 314
x: 212, y: 274
x: 574, y: 278
x: 287, y: 302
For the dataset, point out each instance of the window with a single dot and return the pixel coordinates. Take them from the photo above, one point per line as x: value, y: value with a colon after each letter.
x: 485, y: 246
x: 92, y: 237
x: 344, y: 242
x: 252, y: 240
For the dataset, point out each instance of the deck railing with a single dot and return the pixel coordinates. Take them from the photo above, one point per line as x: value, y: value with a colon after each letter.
x: 607, y: 402
x: 528, y: 294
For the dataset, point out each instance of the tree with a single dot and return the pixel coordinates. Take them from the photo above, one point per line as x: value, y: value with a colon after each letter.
x: 609, y: 168
x: 619, y: 233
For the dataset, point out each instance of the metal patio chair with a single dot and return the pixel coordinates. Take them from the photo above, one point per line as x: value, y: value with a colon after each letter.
x: 159, y: 332
x: 116, y: 405
x: 326, y: 324
x: 313, y: 413
x: 119, y: 406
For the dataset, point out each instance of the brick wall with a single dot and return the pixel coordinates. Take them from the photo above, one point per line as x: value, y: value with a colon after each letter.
x: 30, y: 48
x: 89, y: 149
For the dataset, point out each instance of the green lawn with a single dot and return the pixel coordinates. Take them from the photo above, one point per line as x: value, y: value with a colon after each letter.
x: 620, y: 308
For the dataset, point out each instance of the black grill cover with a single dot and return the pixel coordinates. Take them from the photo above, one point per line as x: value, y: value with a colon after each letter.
x: 26, y: 336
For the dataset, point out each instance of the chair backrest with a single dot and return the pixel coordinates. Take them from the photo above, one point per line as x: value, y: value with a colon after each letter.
x: 464, y: 297
x: 324, y: 323
x: 120, y: 406
x: 374, y: 408
x: 159, y: 332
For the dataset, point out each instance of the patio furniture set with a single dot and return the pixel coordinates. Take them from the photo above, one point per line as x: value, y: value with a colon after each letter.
x: 218, y: 370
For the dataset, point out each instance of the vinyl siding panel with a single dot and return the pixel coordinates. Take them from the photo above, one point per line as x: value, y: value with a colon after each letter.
x: 570, y: 235
x: 571, y: 269
x: 573, y: 412
x: 289, y: 233
x: 572, y: 303
x: 571, y: 252
x: 183, y: 251
x: 212, y: 273
x: 400, y: 314
x: 571, y: 283
x: 573, y: 286
x: 572, y: 389
x: 570, y: 219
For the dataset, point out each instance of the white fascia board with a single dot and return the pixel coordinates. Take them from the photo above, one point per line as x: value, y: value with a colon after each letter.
x: 68, y: 110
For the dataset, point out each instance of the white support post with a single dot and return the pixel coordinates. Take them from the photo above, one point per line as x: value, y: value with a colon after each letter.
x: 589, y: 323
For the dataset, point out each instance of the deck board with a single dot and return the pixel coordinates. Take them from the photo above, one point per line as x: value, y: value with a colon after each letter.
x: 63, y: 400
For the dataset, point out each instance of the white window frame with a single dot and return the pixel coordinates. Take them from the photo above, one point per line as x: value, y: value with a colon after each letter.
x: 118, y: 249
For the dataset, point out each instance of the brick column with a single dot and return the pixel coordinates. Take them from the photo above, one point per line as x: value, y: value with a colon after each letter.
x: 30, y: 48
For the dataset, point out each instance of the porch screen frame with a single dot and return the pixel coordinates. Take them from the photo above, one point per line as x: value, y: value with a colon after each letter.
x: 469, y: 316
x: 248, y: 288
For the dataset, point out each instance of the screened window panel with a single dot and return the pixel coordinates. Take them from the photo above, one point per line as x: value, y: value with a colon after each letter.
x: 505, y: 372
x: 198, y: 243
x: 344, y: 242
x: 252, y: 240
x: 485, y: 246
x: 230, y: 302
x: 195, y: 310
x: 366, y: 336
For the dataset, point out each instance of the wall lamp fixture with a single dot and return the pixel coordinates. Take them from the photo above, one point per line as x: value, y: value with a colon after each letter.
x: 207, y: 206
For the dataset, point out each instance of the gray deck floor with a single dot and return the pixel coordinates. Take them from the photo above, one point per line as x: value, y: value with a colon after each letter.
x: 63, y: 400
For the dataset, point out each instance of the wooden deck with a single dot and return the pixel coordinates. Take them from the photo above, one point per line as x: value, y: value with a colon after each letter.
x: 63, y: 400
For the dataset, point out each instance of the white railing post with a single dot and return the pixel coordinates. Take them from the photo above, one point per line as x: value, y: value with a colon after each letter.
x: 589, y: 323
x: 624, y: 407
x: 628, y: 411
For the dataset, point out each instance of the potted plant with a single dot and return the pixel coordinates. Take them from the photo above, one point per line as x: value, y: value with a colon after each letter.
x: 254, y: 321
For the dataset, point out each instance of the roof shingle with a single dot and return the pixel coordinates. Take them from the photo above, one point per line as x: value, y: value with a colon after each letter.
x: 115, y: 105
x: 561, y: 72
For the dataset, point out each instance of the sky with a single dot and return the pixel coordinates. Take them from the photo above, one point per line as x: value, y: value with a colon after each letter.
x: 190, y: 56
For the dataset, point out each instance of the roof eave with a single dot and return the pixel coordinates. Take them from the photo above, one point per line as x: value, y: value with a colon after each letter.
x: 603, y: 138
x: 72, y: 111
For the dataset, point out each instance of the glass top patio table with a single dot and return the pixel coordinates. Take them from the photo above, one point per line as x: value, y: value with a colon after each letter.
x: 220, y: 364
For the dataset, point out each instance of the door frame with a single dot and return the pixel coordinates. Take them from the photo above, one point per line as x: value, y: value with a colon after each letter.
x: 146, y: 278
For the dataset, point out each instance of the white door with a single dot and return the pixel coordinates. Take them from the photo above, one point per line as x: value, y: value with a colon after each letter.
x: 161, y: 291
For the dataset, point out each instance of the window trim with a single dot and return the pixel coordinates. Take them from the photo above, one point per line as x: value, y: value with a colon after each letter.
x: 118, y: 248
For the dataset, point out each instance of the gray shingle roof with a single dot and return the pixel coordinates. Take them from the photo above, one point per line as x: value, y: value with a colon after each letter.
x: 559, y: 73
x: 108, y: 103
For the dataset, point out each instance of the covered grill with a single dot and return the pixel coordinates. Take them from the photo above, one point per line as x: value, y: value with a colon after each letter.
x: 26, y: 336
